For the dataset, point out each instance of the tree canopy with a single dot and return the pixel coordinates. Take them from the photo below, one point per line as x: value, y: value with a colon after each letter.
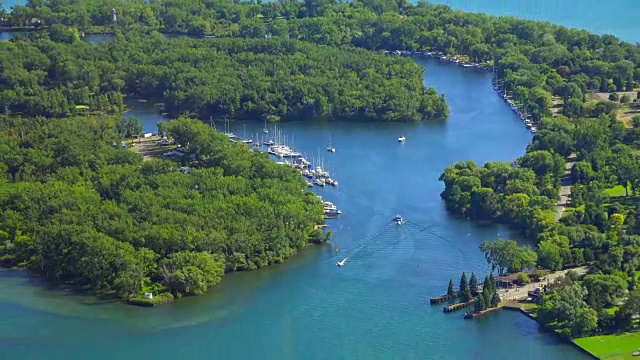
x: 76, y: 208
x: 269, y: 79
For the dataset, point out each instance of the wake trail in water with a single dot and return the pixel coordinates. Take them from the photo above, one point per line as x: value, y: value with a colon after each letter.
x: 392, y: 235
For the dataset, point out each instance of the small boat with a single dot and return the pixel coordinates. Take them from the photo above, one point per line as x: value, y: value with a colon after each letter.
x: 401, y: 139
x: 265, y: 130
x: 342, y: 262
x: 319, y: 182
x: 329, y: 147
x: 269, y: 142
x: 333, y: 212
x: 398, y: 219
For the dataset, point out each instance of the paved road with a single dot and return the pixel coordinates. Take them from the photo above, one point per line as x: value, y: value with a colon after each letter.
x: 522, y: 292
x: 565, y: 187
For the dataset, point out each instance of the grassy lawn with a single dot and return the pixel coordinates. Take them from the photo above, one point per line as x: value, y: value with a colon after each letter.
x: 616, y: 191
x: 617, y: 346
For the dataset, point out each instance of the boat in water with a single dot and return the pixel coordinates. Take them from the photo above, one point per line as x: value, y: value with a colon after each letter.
x: 329, y: 147
x: 398, y: 219
x: 332, y: 212
x: 342, y: 262
x: 401, y: 139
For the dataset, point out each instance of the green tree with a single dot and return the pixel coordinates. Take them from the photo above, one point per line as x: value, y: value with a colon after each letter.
x: 507, y: 255
x: 585, y: 322
x: 451, y: 291
x: 625, y: 99
x: 549, y: 256
x: 473, y: 283
x: 495, y: 300
x: 523, y: 278
x: 465, y: 290
x: 480, y: 303
x: 604, y: 290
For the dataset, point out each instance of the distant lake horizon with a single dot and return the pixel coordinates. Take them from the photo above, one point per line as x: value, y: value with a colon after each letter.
x: 615, y: 17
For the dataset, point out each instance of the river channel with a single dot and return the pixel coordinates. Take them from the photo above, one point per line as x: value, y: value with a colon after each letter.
x: 374, y: 307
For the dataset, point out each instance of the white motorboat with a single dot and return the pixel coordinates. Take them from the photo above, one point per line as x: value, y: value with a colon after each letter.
x: 401, y: 139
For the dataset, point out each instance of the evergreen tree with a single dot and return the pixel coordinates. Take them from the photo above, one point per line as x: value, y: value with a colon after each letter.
x: 473, y: 284
x: 495, y: 300
x: 478, y: 304
x: 463, y: 282
x: 481, y: 303
x: 464, y: 288
x: 487, y: 293
x: 451, y: 291
x: 492, y: 283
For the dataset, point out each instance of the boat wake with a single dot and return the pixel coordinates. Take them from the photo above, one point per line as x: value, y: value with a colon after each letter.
x: 392, y: 234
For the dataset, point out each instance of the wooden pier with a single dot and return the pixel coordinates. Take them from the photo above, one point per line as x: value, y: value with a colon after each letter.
x: 443, y: 298
x: 459, y: 306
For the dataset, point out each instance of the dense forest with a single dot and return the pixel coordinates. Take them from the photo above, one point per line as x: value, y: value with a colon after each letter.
x: 56, y: 74
x: 534, y: 60
x: 77, y: 208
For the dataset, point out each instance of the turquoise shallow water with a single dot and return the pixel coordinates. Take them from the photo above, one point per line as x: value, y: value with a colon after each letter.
x: 375, y: 307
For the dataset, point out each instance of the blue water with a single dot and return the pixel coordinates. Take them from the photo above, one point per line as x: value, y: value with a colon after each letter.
x: 615, y: 17
x: 374, y: 307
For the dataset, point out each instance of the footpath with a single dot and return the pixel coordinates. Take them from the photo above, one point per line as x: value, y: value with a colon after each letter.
x: 565, y: 187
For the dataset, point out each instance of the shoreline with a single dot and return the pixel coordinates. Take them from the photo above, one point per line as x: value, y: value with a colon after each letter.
x: 564, y: 338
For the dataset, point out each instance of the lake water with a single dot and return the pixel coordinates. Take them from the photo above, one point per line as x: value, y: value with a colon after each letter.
x: 616, y: 17
x: 374, y: 307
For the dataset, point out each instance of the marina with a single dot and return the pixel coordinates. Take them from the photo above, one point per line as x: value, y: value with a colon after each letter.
x: 313, y: 171
x: 519, y: 108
